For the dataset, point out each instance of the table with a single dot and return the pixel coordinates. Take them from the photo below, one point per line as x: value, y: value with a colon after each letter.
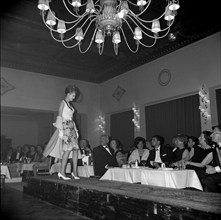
x: 83, y: 171
x: 157, y: 177
x: 25, y: 166
x: 5, y: 171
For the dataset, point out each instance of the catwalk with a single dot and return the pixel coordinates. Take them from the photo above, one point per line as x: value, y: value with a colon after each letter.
x: 99, y: 199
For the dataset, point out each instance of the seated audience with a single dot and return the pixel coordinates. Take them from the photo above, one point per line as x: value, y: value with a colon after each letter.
x: 103, y: 157
x: 212, y: 179
x: 42, y: 161
x: 85, y: 147
x: 181, y: 152
x: 26, y: 149
x: 140, y: 153
x: 149, y: 145
x: 17, y: 154
x: 8, y: 158
x: 118, y: 152
x: 205, y: 157
x: 201, y: 147
x: 32, y: 155
x: 160, y: 154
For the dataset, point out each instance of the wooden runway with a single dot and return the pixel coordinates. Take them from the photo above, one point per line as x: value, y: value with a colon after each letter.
x: 99, y: 199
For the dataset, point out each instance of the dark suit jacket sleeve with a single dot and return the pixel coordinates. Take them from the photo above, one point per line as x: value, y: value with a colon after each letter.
x: 166, y: 155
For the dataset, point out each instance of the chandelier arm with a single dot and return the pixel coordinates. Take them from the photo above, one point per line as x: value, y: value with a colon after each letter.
x: 133, y: 51
x: 155, y: 40
x: 137, y: 22
x: 100, y: 49
x: 149, y: 21
x: 146, y: 7
x: 89, y: 43
x: 77, y: 16
x: 88, y: 25
x: 68, y: 39
x: 69, y: 47
x: 51, y: 29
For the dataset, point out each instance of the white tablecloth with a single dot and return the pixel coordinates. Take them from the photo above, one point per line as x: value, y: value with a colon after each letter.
x: 83, y: 171
x: 123, y: 174
x: 5, y: 171
x: 167, y: 178
x: 25, y: 166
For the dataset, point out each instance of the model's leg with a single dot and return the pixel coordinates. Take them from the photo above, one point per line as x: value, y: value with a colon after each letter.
x: 64, y: 162
x: 75, y: 160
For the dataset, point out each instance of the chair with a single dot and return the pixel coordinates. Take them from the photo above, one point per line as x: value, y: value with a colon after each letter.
x: 44, y: 170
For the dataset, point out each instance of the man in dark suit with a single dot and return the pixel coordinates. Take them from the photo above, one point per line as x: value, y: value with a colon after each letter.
x: 16, y: 155
x: 103, y: 157
x: 160, y: 154
x: 212, y: 180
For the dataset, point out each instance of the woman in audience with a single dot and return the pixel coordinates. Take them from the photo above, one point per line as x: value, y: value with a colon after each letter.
x: 198, y: 157
x: 140, y: 153
x: 118, y: 152
x: 181, y: 153
x: 33, y: 156
x: 149, y: 145
x: 199, y: 148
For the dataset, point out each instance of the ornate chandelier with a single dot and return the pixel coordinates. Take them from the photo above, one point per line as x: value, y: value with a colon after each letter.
x: 107, y: 18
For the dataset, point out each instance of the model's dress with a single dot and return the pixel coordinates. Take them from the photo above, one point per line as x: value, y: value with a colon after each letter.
x: 64, y: 138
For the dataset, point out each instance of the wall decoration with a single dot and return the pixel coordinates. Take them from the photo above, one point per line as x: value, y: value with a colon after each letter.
x: 118, y: 93
x: 102, y: 124
x: 5, y: 86
x: 204, y: 103
x: 164, y: 77
x: 136, y: 119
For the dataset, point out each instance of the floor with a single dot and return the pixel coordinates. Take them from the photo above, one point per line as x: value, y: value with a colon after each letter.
x: 19, y: 206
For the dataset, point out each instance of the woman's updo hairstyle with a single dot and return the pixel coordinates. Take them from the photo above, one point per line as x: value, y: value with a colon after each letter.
x: 71, y: 89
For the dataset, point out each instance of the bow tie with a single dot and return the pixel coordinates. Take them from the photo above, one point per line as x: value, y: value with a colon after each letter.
x: 157, y: 149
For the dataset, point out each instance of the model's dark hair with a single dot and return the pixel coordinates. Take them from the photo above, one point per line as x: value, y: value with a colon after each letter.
x: 72, y: 88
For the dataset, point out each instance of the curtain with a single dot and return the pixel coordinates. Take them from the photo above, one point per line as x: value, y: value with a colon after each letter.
x: 122, y: 128
x: 180, y: 116
x: 218, y: 103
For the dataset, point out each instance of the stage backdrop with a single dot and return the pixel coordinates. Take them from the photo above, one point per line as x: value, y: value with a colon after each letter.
x: 179, y: 116
x: 122, y: 128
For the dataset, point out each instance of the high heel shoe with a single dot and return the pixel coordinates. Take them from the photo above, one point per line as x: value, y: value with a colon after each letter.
x: 75, y: 177
x: 63, y: 177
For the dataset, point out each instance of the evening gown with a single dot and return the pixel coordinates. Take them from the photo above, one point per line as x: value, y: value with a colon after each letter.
x: 63, y: 139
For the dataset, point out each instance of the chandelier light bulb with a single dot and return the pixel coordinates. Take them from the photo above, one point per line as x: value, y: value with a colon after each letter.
x: 138, y: 33
x: 43, y: 5
x: 61, y: 29
x: 156, y: 26
x: 141, y: 2
x: 90, y: 7
x: 76, y: 3
x: 116, y: 38
x: 51, y: 21
x: 169, y: 15
x: 99, y: 39
x: 79, y: 34
x: 174, y: 5
x: 103, y: 18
